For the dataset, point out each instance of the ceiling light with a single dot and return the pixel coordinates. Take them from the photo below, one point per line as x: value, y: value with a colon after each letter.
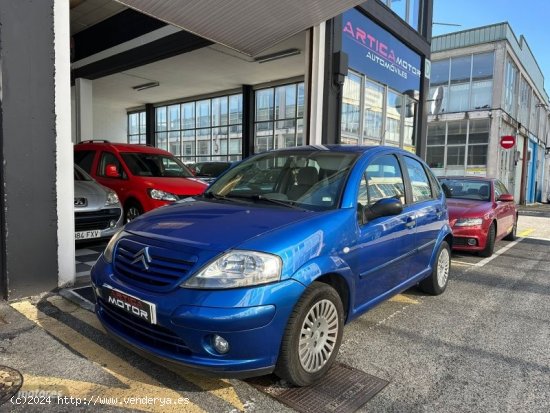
x: 277, y: 55
x: 145, y: 86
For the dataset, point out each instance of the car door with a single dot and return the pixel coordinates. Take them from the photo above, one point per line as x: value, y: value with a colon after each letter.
x: 504, y: 211
x: 428, y: 211
x: 117, y: 184
x: 381, y: 255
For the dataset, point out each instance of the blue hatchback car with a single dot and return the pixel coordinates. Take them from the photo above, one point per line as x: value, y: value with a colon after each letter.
x: 261, y: 273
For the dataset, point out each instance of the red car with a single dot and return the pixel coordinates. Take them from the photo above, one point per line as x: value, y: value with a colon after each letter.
x: 481, y: 212
x: 143, y: 177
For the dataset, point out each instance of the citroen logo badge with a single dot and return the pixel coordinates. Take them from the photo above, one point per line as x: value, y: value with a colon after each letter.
x: 142, y: 256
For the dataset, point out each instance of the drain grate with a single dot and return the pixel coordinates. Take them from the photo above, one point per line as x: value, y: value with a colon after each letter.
x: 10, y: 383
x: 85, y: 292
x: 343, y: 390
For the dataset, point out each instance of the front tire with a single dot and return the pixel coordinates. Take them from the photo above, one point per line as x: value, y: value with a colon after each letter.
x: 132, y: 210
x: 312, y: 336
x: 436, y: 283
x: 490, y: 243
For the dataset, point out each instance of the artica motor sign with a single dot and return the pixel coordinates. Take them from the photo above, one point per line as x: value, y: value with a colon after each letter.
x: 378, y: 54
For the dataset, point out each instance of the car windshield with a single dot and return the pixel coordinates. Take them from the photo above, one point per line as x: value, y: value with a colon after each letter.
x: 80, y: 175
x: 156, y: 165
x: 210, y: 169
x: 303, y: 179
x: 474, y: 189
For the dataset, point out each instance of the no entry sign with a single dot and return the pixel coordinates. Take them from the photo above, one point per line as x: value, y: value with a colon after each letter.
x: 507, y: 142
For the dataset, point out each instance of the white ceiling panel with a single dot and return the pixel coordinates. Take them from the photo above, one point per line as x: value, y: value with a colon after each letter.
x: 249, y: 26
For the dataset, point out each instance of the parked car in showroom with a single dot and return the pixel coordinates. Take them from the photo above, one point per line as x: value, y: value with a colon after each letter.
x: 208, y: 171
x: 254, y: 277
x: 143, y: 177
x: 97, y: 210
x: 481, y: 212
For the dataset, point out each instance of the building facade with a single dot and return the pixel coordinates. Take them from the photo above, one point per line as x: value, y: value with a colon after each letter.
x: 485, y: 85
x: 145, y: 72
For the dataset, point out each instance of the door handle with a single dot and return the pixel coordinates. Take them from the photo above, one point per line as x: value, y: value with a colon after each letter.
x: 411, y: 222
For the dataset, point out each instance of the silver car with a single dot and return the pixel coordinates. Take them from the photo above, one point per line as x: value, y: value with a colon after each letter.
x: 97, y: 210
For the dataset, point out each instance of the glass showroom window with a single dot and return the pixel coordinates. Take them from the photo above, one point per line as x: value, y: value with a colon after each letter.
x: 437, y: 133
x: 373, y: 113
x: 394, y: 113
x: 440, y: 78
x: 510, y: 87
x: 459, y: 89
x: 467, y: 82
x: 136, y: 128
x: 524, y: 102
x: 208, y: 129
x: 482, y: 81
x: 351, y: 109
x: 406, y: 9
x: 458, y: 144
x: 279, y: 119
x: 478, y: 142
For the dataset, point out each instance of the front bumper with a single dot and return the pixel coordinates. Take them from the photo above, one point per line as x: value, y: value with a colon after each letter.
x: 461, y: 236
x: 252, y: 320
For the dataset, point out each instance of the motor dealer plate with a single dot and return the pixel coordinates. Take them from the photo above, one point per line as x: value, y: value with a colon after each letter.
x: 132, y: 305
x: 87, y: 234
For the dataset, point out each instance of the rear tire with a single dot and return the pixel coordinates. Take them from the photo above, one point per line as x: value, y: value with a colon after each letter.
x: 436, y: 283
x: 312, y: 336
x: 132, y: 210
x: 512, y: 235
x: 490, y: 243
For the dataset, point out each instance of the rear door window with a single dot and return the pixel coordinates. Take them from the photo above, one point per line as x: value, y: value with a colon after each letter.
x: 382, y: 179
x: 420, y: 183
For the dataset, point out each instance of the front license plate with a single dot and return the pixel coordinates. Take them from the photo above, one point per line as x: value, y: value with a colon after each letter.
x: 132, y: 305
x: 87, y: 234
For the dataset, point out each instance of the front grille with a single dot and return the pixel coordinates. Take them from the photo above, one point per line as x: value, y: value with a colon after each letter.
x: 149, y: 267
x: 152, y: 335
x: 86, y: 221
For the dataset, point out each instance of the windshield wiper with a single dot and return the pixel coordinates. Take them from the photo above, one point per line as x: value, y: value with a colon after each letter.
x: 288, y: 204
x: 217, y: 197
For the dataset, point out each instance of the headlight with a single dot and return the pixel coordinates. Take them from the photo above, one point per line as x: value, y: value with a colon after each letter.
x: 162, y: 195
x: 237, y: 269
x: 112, y: 198
x: 110, y: 248
x: 468, y: 222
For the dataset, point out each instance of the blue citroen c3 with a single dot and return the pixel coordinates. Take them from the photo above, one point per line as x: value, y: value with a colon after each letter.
x: 261, y: 273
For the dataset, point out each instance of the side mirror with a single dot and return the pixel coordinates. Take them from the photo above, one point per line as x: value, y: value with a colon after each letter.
x: 111, y: 171
x: 506, y: 198
x: 383, y: 208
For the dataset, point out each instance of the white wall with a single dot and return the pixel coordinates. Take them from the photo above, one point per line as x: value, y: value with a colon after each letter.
x: 110, y: 121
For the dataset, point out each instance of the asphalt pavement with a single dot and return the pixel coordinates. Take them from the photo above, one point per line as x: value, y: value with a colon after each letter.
x: 482, y: 346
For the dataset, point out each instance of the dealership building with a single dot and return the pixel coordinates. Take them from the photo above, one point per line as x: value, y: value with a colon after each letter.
x: 489, y: 111
x: 209, y: 80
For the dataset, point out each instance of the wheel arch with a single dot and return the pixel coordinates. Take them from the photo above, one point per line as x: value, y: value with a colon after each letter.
x: 339, y: 283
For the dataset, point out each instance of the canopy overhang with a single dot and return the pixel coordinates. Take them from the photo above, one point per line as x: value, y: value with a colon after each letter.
x: 248, y: 26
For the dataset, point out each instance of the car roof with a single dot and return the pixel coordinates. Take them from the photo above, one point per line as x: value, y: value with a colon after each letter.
x: 120, y: 147
x: 470, y: 178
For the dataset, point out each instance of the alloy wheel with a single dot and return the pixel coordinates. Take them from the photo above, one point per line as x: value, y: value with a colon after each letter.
x: 318, y: 336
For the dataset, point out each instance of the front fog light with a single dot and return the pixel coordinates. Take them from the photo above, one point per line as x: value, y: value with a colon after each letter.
x: 220, y: 344
x: 112, y: 223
